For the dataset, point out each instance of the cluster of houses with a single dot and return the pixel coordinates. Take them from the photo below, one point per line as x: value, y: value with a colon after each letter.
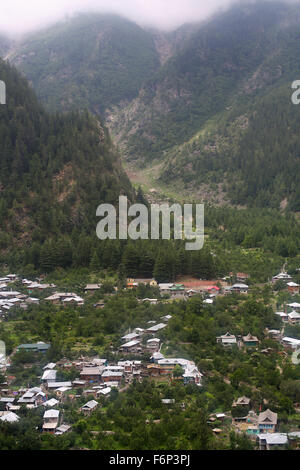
x: 288, y: 318
x: 250, y: 341
x: 228, y: 340
x: 96, y: 378
x: 159, y: 366
x: 187, y: 289
x: 262, y: 426
x: 10, y: 298
x: 65, y: 298
x: 293, y: 317
x: 165, y: 367
x: 205, y: 288
x: 133, y: 340
x: 292, y: 287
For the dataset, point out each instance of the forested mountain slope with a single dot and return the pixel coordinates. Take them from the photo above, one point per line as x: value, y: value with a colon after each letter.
x: 54, y: 169
x: 250, y: 154
x: 219, y: 112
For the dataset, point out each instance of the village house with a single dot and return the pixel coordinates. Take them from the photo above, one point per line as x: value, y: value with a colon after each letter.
x: 293, y: 287
x: 104, y: 392
x: 62, y: 429
x: 31, y: 301
x: 51, y: 403
x: 177, y: 291
x: 96, y: 361
x: 166, y: 366
x: 90, y: 392
x: 8, y: 401
x: 242, y: 277
x: 294, y: 318
x: 294, y: 306
x: 32, y: 397
x: 267, y: 421
x: 132, y: 285
x: 51, y: 420
x: 282, y: 277
x: 111, y: 384
x: 54, y: 298
x: 78, y: 383
x: 192, y: 375
x: 12, y: 277
x: 240, y: 288
x: 192, y: 292
x: 165, y: 288
x: 139, y: 331
x: 268, y: 441
x: 8, y: 417
x: 34, y: 347
x: 156, y: 357
x: 153, y: 370
x: 153, y: 344
x: 91, y: 374
x: 117, y: 368
x: 92, y: 288
x: 155, y: 328
x: 168, y: 401
x: 250, y: 341
x: 213, y: 290
x: 37, y: 285
x: 49, y: 376
x: 89, y: 407
x: 283, y: 315
x: 58, y: 385
x: 131, y: 336
x: 9, y: 294
x: 146, y: 282
x: 166, y: 318
x: 274, y: 334
x: 112, y: 375
x: 76, y: 300
x: 65, y: 298
x: 290, y: 343
x: 241, y: 401
x: 137, y: 365
x: 227, y: 340
x: 136, y: 375
x: 131, y: 347
x: 127, y: 365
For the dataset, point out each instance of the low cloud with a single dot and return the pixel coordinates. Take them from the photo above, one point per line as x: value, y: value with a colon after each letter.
x: 18, y: 17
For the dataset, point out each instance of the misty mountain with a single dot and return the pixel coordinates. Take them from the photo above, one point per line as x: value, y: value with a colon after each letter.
x: 90, y: 61
x: 209, y: 101
x: 5, y: 45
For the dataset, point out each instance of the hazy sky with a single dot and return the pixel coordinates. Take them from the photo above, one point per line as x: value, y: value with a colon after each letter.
x: 19, y: 16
